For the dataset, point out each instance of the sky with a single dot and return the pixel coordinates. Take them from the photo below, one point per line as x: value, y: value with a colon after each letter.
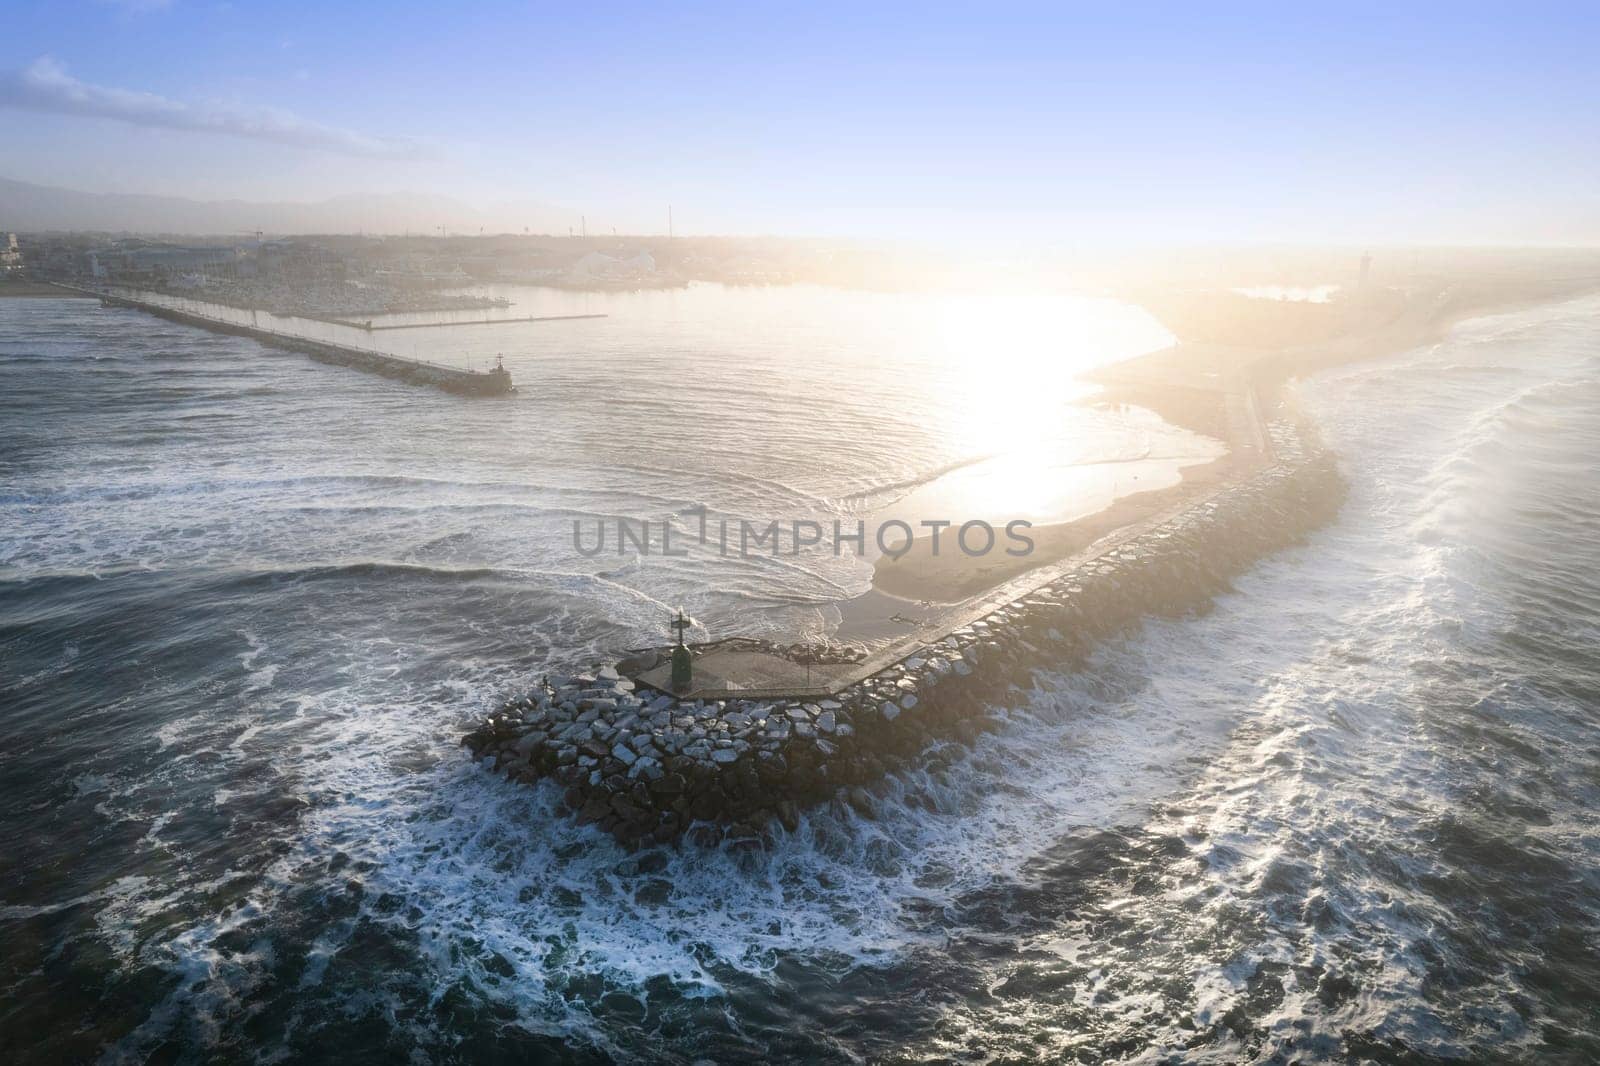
x: 1314, y: 123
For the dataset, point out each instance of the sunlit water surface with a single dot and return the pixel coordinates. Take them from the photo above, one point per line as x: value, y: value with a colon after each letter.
x: 248, y: 603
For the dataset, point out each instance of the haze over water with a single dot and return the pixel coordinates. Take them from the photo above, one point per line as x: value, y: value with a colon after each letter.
x: 248, y: 604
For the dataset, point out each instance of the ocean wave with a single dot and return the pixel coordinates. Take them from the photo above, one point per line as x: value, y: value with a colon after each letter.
x: 871, y: 494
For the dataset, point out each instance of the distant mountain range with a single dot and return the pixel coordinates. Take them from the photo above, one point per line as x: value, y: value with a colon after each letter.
x: 32, y: 208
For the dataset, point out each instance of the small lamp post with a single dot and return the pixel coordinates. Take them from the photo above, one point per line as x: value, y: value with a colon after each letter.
x: 682, y: 664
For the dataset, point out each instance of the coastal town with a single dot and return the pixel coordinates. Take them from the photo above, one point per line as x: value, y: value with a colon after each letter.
x: 350, y: 275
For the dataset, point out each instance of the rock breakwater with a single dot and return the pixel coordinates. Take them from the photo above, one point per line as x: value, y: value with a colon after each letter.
x: 650, y: 769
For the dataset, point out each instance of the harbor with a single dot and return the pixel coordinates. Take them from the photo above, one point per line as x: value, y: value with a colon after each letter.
x: 935, y: 535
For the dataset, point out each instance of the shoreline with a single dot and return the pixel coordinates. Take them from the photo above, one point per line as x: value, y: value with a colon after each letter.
x: 951, y: 576
x: 1188, y: 385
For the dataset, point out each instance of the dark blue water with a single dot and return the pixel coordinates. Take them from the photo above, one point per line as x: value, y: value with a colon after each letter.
x: 248, y: 603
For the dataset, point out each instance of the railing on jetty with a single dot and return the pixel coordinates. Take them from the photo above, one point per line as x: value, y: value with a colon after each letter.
x: 493, y: 382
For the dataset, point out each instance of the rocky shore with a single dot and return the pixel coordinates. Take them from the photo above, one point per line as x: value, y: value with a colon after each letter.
x: 650, y: 769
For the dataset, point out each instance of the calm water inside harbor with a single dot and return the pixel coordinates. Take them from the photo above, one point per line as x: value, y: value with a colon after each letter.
x: 248, y: 603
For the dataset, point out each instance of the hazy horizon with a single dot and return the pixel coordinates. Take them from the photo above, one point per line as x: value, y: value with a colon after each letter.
x: 1165, y: 125
x: 417, y: 215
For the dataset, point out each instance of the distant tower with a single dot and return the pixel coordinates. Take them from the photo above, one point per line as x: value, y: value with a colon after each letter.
x: 669, y: 222
x: 1366, y: 269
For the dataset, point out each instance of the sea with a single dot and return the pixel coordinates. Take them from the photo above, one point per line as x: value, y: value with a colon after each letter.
x: 250, y: 603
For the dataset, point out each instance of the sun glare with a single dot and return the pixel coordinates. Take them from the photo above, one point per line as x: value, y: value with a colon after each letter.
x: 1019, y: 356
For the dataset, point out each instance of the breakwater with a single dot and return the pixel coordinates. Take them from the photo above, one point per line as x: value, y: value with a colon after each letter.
x: 492, y: 382
x: 648, y: 768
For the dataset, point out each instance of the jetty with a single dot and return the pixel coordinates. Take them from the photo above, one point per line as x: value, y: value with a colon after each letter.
x: 652, y: 769
x: 495, y: 381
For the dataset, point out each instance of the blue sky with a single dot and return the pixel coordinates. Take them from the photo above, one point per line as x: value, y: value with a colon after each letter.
x: 1339, y: 122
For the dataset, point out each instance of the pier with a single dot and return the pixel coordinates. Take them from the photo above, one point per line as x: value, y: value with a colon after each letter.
x: 493, y: 382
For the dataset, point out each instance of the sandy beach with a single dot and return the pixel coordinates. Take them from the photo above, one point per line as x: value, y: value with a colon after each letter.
x: 952, y: 576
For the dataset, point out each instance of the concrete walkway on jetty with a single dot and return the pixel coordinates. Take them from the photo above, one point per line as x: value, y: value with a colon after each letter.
x: 1217, y: 375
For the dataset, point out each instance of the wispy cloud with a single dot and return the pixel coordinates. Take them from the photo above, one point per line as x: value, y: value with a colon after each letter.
x: 46, y: 86
x: 138, y: 7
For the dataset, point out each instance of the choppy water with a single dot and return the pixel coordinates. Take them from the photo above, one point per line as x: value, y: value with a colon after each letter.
x: 247, y: 603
